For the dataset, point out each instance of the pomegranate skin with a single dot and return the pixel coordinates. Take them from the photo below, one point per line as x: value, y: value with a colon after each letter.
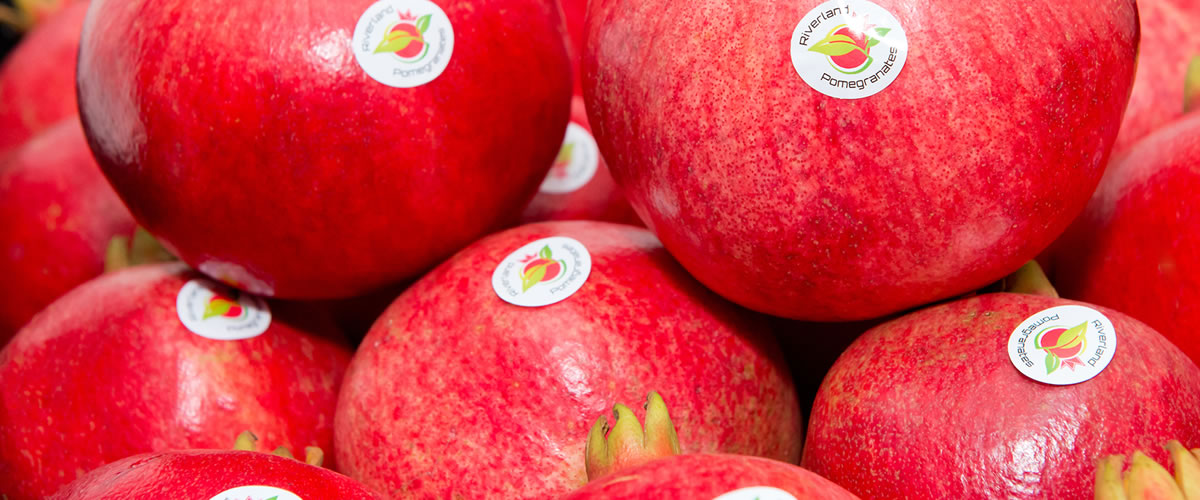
x: 800, y: 205
x: 514, y: 390
x: 256, y: 129
x: 109, y: 371
x: 704, y: 475
x: 202, y: 474
x: 930, y: 406
x: 37, y: 80
x: 59, y: 215
x: 1136, y: 248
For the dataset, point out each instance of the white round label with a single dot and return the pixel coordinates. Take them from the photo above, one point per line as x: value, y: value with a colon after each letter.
x: 576, y: 163
x: 543, y: 272
x: 1063, y: 345
x: 256, y: 493
x: 218, y: 312
x: 849, y: 49
x: 757, y: 493
x: 403, y: 43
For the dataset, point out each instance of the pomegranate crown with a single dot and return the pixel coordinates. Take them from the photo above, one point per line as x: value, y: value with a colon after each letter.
x: 407, y: 16
x: 1147, y: 479
x: 626, y: 443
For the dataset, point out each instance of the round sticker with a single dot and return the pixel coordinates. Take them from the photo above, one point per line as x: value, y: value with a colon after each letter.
x: 218, y: 312
x: 1063, y: 345
x: 849, y: 49
x: 543, y: 272
x: 576, y: 163
x: 403, y: 43
x: 256, y: 493
x: 757, y: 493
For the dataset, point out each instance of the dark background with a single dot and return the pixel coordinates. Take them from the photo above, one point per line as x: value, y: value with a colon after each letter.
x: 8, y: 37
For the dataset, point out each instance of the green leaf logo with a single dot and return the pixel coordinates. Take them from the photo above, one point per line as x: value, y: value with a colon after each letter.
x: 423, y: 23
x: 1052, y: 363
x: 397, y: 41
x: 217, y: 307
x: 545, y: 253
x: 533, y: 276
x: 835, y: 45
x: 564, y: 154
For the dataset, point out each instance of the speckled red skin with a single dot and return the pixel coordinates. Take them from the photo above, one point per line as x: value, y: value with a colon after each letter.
x: 109, y: 371
x: 456, y: 392
x: 37, y: 80
x: 705, y: 476
x: 202, y: 474
x: 58, y: 213
x: 255, y: 129
x: 800, y: 205
x: 1136, y: 248
x: 930, y: 406
x: 600, y: 199
x: 1170, y: 38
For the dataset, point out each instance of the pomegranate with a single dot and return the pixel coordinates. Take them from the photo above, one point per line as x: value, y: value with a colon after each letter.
x: 795, y: 186
x: 623, y: 319
x: 938, y: 399
x: 1135, y: 248
x: 398, y: 129
x: 37, y: 80
x: 60, y: 216
x: 212, y: 474
x: 149, y: 359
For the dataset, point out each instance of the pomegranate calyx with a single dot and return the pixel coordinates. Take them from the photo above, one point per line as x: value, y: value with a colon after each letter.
x: 626, y: 443
x: 247, y: 441
x: 1149, y: 479
x: 1030, y: 280
x: 1191, y: 85
x: 143, y: 248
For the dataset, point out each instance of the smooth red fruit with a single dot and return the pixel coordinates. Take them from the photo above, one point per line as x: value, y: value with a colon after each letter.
x: 930, y: 406
x: 59, y: 214
x: 109, y: 371
x: 600, y: 199
x: 707, y: 476
x: 37, y: 80
x: 1170, y: 38
x: 256, y: 128
x: 801, y: 205
x: 1136, y: 248
x: 456, y: 392
x: 203, y: 474
x: 575, y: 14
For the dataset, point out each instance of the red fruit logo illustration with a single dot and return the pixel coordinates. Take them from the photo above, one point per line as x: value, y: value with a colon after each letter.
x: 406, y: 38
x: 849, y: 49
x: 540, y: 268
x: 1063, y: 346
x: 224, y: 306
x: 559, y: 169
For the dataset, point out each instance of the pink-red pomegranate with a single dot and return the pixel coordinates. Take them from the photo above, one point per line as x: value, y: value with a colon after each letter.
x: 713, y: 476
x: 790, y: 201
x: 110, y: 370
x: 456, y: 391
x: 37, y: 80
x: 314, y: 126
x: 930, y: 405
x: 579, y: 185
x: 212, y: 474
x: 1136, y: 248
x: 1170, y: 39
x: 59, y: 215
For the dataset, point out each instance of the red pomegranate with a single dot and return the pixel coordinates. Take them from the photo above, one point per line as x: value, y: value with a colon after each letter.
x: 132, y: 362
x: 59, y: 216
x: 713, y: 476
x: 530, y: 379
x: 37, y: 80
x: 307, y: 123
x: 934, y: 398
x: 212, y: 474
x: 1136, y: 248
x: 847, y: 200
